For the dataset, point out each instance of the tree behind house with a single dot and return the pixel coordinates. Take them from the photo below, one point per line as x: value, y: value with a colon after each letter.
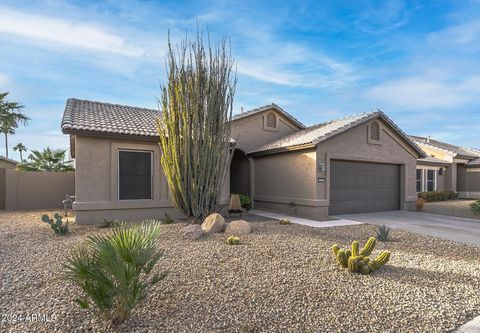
x: 20, y: 148
x: 47, y: 160
x: 11, y: 118
x: 194, y: 128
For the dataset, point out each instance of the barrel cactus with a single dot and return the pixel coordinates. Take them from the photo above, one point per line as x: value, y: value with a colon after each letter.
x: 361, y: 262
x: 232, y: 240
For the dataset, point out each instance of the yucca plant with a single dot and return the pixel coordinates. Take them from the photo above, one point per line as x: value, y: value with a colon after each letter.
x: 114, y: 271
x: 382, y: 233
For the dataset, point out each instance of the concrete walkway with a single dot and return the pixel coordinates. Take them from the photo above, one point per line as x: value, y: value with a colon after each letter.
x: 310, y: 223
x: 473, y: 326
x: 454, y: 228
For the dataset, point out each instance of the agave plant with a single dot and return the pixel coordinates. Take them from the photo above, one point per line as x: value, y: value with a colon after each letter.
x: 114, y: 271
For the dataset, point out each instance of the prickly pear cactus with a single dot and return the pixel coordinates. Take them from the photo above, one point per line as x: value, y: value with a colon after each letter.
x: 357, y: 262
x: 57, y: 226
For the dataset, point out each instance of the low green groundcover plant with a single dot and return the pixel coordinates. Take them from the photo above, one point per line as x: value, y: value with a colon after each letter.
x: 475, y: 206
x: 438, y: 195
x: 114, y: 271
x: 360, y: 262
x: 57, y: 226
x: 284, y: 222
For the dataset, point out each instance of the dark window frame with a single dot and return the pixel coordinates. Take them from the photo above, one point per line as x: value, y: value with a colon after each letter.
x: 430, y: 181
x: 418, y: 181
x: 118, y: 173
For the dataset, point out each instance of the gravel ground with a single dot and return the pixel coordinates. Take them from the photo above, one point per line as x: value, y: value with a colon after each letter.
x: 459, y: 208
x: 282, y: 279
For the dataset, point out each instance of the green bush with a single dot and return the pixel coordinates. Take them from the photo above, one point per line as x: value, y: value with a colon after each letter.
x: 246, y: 202
x: 115, y: 270
x: 360, y: 262
x: 438, y: 196
x: 57, y: 226
x: 475, y: 206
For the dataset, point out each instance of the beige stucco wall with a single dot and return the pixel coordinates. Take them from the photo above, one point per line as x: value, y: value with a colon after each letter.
x: 37, y: 190
x: 282, y: 178
x: 7, y: 165
x: 353, y: 145
x: 469, y: 183
x: 250, y: 133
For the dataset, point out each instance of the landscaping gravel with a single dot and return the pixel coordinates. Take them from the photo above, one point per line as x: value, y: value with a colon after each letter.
x: 281, y: 279
x: 459, y: 208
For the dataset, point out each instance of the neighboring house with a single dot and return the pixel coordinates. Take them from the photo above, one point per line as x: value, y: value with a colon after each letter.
x: 355, y: 164
x: 448, y: 168
x: 7, y: 163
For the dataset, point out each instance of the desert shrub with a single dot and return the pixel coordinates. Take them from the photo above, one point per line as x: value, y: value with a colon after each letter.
x: 167, y: 219
x: 57, y: 226
x: 284, y: 222
x: 382, y: 233
x: 438, y: 195
x: 246, y: 202
x: 420, y: 203
x: 232, y: 240
x: 108, y: 223
x: 475, y: 206
x: 359, y: 261
x: 114, y: 271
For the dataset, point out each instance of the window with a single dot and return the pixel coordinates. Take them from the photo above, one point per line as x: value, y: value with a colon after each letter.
x: 134, y: 175
x: 375, y: 131
x: 419, y: 180
x: 430, y: 180
x: 271, y: 120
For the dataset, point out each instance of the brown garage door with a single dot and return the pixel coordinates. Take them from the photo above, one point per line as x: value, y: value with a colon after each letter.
x: 359, y: 187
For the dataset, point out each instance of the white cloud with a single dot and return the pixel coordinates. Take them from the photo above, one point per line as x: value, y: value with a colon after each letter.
x: 3, y: 80
x: 426, y: 92
x: 65, y: 32
x: 460, y: 34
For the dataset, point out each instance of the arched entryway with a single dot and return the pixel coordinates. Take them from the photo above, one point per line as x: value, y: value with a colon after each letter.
x: 240, y: 173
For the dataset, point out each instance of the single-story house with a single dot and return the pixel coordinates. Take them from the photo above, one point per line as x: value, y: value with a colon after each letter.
x: 448, y: 168
x: 360, y: 163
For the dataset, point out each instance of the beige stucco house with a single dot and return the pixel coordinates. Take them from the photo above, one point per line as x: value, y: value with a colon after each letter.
x: 448, y: 168
x: 360, y: 163
x: 7, y: 163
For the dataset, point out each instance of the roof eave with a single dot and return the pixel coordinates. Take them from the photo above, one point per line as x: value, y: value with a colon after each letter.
x: 282, y: 150
x: 109, y: 135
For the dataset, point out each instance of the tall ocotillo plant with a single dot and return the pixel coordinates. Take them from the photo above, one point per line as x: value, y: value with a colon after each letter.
x: 194, y: 128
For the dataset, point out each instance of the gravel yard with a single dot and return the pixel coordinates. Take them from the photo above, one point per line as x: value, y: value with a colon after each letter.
x: 459, y: 208
x: 282, y: 279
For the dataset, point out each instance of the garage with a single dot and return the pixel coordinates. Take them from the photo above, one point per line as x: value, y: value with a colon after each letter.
x: 361, y: 187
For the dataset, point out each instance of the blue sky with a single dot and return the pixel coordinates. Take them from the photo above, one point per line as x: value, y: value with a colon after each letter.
x: 418, y: 61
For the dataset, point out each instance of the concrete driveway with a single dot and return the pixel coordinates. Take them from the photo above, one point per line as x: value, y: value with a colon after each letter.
x: 454, y: 228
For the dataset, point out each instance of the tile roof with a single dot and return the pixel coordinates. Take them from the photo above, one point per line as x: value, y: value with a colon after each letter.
x: 475, y: 162
x: 92, y: 116
x: 317, y: 133
x: 471, y: 152
x: 99, y: 117
x: 267, y: 107
x: 433, y: 160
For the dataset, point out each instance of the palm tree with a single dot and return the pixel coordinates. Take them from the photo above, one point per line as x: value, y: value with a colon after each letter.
x: 21, y: 148
x: 10, y: 117
x: 48, y: 160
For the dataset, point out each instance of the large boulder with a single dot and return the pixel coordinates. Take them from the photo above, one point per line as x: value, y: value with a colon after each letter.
x: 213, y: 223
x: 192, y: 232
x: 238, y: 227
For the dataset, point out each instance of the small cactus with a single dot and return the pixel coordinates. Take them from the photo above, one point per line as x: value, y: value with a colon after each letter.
x: 368, y: 248
x: 57, y: 226
x: 284, y: 222
x: 382, y: 233
x: 355, y: 249
x: 360, y: 263
x: 342, y: 258
x: 381, y: 259
x: 232, y: 240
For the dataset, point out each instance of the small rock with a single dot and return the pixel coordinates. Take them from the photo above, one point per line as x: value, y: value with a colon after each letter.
x: 213, y: 223
x: 238, y: 227
x: 192, y: 232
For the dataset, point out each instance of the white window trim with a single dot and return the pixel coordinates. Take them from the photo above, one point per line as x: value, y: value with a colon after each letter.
x: 424, y: 180
x: 151, y: 174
